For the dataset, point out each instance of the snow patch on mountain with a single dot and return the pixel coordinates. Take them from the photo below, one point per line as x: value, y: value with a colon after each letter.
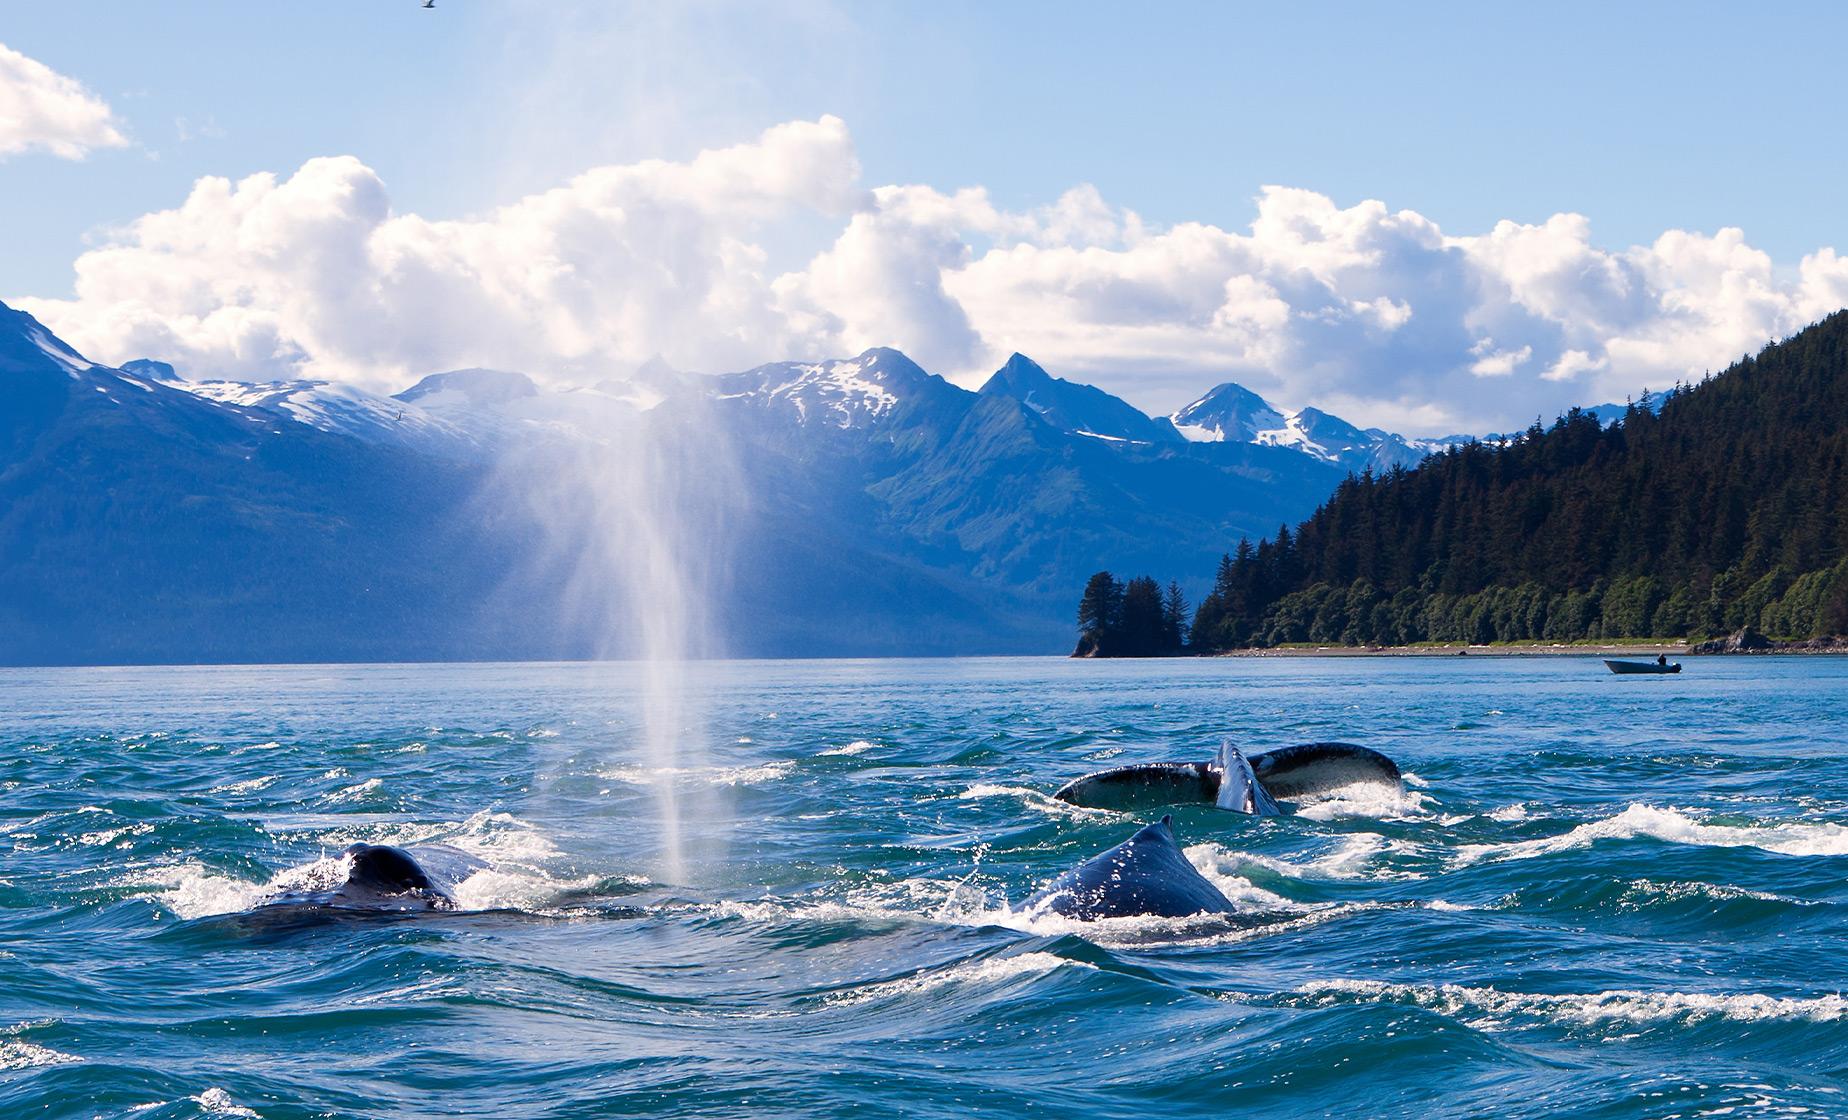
x: 845, y: 393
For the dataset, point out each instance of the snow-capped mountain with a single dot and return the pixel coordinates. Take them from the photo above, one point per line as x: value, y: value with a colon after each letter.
x: 857, y: 393
x: 1231, y: 413
x: 145, y: 516
x: 329, y: 406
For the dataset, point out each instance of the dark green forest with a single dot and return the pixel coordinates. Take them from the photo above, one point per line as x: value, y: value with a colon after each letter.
x: 1134, y: 619
x: 1711, y: 508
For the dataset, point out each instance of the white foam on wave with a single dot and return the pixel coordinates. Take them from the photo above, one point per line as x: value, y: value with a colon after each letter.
x: 16, y: 1053
x: 1491, y: 1008
x: 1676, y: 827
x: 110, y: 835
x: 1357, y: 856
x: 858, y: 746
x: 217, y: 1102
x: 1377, y: 800
x: 355, y: 792
x: 747, y: 775
x: 249, y: 785
x: 994, y: 970
x: 1646, y: 891
x: 515, y: 877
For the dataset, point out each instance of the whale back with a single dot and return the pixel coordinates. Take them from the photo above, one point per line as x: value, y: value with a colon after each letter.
x: 385, y: 869
x: 1146, y: 875
x: 378, y: 879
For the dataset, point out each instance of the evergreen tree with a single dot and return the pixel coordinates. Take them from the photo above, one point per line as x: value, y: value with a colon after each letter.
x: 1142, y: 627
x: 1174, y: 619
x: 1100, y: 614
x: 1709, y: 507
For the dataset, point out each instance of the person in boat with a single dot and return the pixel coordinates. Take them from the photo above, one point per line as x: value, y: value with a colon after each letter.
x: 1662, y: 660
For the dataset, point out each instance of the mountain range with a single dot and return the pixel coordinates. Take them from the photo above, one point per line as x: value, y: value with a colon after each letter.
x: 854, y: 506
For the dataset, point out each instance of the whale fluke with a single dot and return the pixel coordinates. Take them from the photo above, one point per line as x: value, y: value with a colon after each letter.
x: 1146, y: 875
x: 1299, y: 771
x: 1312, y: 768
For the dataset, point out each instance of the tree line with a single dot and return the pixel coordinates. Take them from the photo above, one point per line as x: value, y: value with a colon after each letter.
x: 1134, y: 619
x: 1711, y: 508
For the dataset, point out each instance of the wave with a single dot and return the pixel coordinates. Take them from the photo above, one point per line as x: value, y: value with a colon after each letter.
x: 1358, y: 856
x: 16, y: 1054
x: 748, y: 775
x: 514, y: 878
x: 217, y: 1102
x: 994, y: 970
x: 1676, y: 827
x: 1366, y: 799
x: 1032, y: 799
x: 1492, y: 1008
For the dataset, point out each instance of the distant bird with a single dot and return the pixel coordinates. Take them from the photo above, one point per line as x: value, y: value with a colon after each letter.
x: 429, y: 3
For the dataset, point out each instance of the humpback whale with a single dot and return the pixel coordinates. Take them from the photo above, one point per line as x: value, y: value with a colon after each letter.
x: 1245, y: 785
x: 1145, y: 875
x: 382, y: 879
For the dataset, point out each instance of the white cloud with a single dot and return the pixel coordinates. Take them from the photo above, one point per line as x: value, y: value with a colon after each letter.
x: 315, y: 273
x: 41, y: 108
x: 1377, y: 314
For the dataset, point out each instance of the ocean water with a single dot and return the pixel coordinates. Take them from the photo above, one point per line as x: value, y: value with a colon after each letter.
x: 1595, y: 897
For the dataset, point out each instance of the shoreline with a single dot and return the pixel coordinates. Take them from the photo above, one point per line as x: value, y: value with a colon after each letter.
x: 1648, y: 650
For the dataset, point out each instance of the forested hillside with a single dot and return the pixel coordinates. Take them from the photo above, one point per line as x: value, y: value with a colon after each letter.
x: 1708, y: 509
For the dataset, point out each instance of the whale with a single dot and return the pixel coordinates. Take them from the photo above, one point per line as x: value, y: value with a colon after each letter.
x: 1146, y: 875
x: 379, y: 879
x: 1255, y: 785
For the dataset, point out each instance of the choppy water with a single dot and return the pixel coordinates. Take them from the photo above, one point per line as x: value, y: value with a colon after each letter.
x: 1597, y: 896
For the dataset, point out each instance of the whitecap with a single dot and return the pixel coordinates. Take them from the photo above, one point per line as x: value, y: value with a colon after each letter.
x: 746, y: 775
x: 217, y: 1102
x: 858, y: 746
x: 249, y: 785
x: 19, y: 1054
x: 1491, y: 1007
x: 356, y: 791
x: 1673, y: 826
x: 1365, y: 799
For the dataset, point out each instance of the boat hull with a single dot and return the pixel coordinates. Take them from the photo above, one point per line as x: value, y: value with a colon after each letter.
x: 1639, y: 667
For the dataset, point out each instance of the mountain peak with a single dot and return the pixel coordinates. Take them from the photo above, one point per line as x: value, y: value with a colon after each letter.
x: 1073, y: 407
x: 838, y: 392
x: 24, y: 341
x: 470, y: 388
x: 1230, y: 413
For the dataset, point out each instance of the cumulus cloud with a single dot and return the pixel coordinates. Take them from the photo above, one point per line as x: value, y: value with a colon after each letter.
x: 316, y: 274
x: 1376, y: 314
x: 41, y: 108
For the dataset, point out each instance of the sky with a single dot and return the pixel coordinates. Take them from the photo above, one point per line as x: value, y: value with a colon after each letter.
x: 1453, y: 217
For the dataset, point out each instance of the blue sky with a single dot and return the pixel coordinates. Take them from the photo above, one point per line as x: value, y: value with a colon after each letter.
x: 1641, y: 118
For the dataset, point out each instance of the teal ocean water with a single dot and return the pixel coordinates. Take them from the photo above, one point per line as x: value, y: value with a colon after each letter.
x: 1596, y: 897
